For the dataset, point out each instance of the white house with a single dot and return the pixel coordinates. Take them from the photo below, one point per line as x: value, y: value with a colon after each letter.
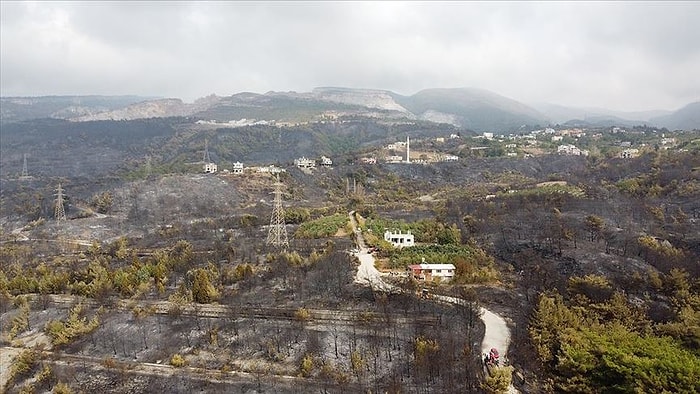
x: 450, y: 158
x: 210, y: 168
x: 326, y: 162
x: 394, y: 159
x: 237, y: 168
x: 430, y: 272
x: 368, y: 160
x: 629, y: 153
x: 571, y: 150
x: 399, y: 239
x: 272, y: 169
x: 303, y: 162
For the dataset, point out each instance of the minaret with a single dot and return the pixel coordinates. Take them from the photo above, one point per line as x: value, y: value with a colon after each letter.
x: 408, y: 149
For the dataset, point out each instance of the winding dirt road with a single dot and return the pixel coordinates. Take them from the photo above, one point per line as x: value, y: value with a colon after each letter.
x: 496, y: 333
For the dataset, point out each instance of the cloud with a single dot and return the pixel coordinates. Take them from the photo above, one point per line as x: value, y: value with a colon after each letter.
x: 628, y: 56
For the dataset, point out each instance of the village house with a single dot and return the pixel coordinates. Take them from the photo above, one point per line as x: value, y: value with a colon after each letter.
x: 399, y: 239
x: 629, y: 153
x: 368, y: 160
x: 210, y: 168
x: 303, y: 162
x: 430, y: 272
x: 571, y: 150
x: 394, y: 159
x: 271, y: 169
x: 237, y: 168
x: 326, y: 162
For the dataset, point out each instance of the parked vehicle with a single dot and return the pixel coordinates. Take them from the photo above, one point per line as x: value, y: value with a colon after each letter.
x: 492, y: 358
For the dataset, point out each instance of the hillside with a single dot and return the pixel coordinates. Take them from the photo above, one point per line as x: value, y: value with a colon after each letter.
x: 474, y: 109
x: 15, y: 109
x: 686, y: 118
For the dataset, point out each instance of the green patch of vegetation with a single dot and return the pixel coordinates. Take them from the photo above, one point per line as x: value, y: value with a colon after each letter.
x: 472, y: 264
x: 593, y: 345
x: 427, y: 230
x: 549, y: 189
x: 64, y: 332
x: 323, y: 227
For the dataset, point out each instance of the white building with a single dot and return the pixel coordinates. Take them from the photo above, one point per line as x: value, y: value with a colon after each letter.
x: 488, y: 136
x: 271, y: 169
x: 556, y: 138
x: 326, y: 162
x: 368, y: 160
x: 303, y: 162
x: 237, y: 168
x: 210, y: 168
x: 399, y: 239
x: 430, y: 272
x: 571, y: 150
x: 394, y: 159
x: 450, y: 158
x: 629, y: 153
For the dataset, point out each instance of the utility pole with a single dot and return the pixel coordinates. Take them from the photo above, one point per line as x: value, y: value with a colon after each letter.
x: 277, y: 234
x: 59, y: 212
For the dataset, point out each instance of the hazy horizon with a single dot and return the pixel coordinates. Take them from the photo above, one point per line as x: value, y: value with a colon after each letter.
x: 630, y: 57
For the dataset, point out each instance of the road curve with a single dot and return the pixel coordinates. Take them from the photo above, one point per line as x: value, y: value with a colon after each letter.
x: 496, y: 334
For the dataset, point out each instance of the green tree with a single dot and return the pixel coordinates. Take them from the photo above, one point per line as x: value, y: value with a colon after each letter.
x: 203, y: 291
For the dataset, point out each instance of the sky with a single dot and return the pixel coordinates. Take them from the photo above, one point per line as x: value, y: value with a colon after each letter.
x: 625, y: 56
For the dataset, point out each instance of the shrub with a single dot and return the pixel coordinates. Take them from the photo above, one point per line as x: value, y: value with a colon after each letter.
x: 178, y: 361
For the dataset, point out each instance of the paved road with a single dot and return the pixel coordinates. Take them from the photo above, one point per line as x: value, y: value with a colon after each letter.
x: 496, y: 334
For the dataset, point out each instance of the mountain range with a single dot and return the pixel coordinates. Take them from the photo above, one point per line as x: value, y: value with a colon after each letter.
x: 474, y: 109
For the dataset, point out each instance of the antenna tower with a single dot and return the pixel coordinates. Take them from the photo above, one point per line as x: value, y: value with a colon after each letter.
x: 277, y: 235
x: 59, y: 212
x: 25, y: 173
x: 206, y: 152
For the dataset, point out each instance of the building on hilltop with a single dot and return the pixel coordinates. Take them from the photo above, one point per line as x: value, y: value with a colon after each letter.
x: 326, y: 162
x: 399, y: 239
x: 237, y: 168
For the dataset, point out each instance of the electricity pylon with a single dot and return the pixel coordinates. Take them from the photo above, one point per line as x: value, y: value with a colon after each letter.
x: 59, y: 212
x: 206, y: 158
x: 277, y: 234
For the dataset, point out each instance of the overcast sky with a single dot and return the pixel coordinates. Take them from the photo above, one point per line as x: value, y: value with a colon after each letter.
x: 619, y: 55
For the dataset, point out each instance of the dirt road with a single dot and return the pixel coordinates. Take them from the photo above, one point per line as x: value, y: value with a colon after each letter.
x: 497, y: 333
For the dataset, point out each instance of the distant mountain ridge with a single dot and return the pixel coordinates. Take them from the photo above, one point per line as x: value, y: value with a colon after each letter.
x: 475, y: 109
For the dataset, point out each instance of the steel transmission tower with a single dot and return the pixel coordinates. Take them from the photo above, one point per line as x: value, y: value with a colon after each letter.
x: 206, y: 158
x: 277, y: 234
x: 59, y: 212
